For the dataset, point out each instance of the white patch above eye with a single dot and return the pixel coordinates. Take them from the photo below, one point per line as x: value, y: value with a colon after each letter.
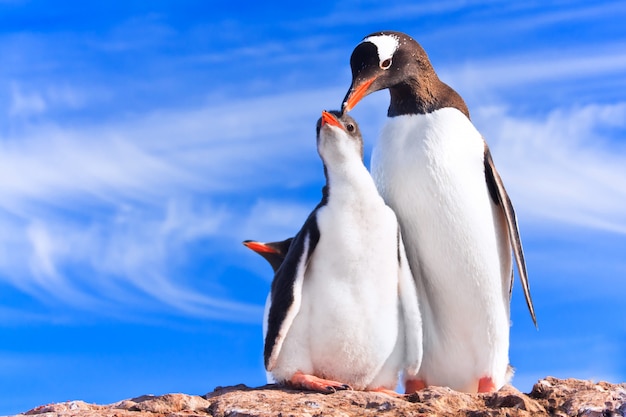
x: 386, y: 45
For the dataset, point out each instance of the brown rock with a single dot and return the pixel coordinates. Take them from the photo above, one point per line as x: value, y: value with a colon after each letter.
x: 574, y: 397
x: 165, y: 404
x: 549, y: 397
x: 59, y: 408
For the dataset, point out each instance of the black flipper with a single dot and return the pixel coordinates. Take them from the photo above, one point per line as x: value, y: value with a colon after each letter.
x: 286, y: 290
x: 501, y: 199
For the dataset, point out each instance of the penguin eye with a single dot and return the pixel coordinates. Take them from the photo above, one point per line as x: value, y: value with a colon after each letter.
x: 350, y: 127
x: 385, y: 64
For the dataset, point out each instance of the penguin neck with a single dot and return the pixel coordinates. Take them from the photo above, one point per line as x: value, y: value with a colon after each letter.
x: 423, y: 96
x: 347, y: 178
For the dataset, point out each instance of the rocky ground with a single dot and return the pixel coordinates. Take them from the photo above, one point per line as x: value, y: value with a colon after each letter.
x: 549, y: 397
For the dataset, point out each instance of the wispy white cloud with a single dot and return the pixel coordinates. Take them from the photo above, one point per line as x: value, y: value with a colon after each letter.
x: 514, y: 17
x: 24, y: 104
x: 111, y: 209
x: 358, y: 13
x: 134, y: 34
x: 271, y: 220
x: 127, y: 261
x: 29, y: 101
x: 537, y: 68
x: 217, y: 147
x: 565, y: 167
x: 547, y: 14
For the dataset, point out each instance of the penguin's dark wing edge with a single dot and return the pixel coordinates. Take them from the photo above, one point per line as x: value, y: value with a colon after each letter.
x: 501, y: 199
x: 286, y: 293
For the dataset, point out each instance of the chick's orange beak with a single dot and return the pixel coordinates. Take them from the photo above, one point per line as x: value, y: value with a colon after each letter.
x: 328, y: 118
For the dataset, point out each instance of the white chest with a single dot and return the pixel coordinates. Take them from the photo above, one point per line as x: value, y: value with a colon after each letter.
x: 437, y: 154
x: 430, y: 170
x: 357, y: 245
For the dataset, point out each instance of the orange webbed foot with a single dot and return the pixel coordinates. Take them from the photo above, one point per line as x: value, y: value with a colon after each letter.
x: 314, y: 383
x: 414, y: 385
x: 486, y: 384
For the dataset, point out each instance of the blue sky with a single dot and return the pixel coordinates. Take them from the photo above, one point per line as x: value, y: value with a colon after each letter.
x: 141, y: 142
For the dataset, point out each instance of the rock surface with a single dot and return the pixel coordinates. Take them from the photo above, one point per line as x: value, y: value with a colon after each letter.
x: 549, y: 397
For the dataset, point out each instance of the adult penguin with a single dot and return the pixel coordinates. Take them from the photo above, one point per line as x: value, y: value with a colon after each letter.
x: 434, y: 169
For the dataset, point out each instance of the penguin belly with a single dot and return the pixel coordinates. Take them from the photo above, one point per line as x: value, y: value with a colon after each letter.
x: 430, y: 170
x: 348, y: 328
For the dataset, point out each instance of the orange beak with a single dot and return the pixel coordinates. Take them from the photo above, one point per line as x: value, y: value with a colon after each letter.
x: 354, y: 96
x: 328, y: 118
x: 259, y: 247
